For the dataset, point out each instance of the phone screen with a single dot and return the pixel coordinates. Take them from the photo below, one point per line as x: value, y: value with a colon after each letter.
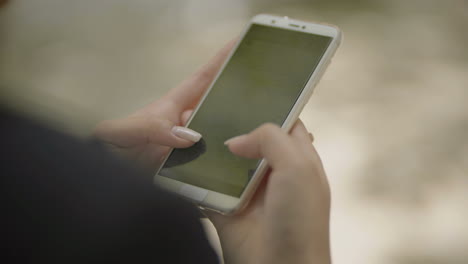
x: 260, y: 84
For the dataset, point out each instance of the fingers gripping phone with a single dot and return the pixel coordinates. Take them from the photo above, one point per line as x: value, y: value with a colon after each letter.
x: 269, y: 77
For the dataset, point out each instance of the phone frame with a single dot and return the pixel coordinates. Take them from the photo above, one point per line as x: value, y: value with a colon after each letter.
x: 226, y: 204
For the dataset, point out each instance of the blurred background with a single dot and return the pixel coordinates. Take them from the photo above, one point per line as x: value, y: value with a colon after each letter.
x: 390, y: 116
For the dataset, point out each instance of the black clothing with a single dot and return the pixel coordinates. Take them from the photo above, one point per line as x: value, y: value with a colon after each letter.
x: 68, y: 201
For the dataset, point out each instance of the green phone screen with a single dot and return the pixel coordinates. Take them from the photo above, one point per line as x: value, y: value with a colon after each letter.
x: 260, y: 84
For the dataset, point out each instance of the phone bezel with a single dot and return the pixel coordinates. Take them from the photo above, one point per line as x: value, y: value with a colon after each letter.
x: 227, y: 204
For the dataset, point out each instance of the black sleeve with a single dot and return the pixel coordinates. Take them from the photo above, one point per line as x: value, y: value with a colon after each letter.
x: 64, y: 201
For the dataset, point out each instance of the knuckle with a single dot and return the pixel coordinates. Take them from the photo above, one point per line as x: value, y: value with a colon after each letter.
x: 268, y: 130
x: 156, y: 127
x: 204, y: 74
x: 269, y: 127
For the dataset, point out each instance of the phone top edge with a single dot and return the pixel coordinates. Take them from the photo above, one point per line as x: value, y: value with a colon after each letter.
x: 285, y: 22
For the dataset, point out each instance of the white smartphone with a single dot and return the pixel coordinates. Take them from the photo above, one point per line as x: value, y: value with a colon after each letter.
x: 269, y: 77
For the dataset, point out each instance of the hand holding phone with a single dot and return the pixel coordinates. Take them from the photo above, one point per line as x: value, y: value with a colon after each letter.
x: 287, y: 220
x: 146, y: 136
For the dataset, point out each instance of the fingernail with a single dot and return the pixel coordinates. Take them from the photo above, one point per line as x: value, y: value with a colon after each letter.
x: 233, y: 140
x: 186, y: 133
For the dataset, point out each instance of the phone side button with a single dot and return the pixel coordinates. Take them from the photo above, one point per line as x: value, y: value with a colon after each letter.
x: 193, y: 192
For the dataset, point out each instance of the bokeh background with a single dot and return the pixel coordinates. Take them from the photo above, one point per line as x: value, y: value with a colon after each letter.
x: 390, y: 116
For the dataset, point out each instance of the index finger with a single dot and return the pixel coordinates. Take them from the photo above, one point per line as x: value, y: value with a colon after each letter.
x: 187, y: 94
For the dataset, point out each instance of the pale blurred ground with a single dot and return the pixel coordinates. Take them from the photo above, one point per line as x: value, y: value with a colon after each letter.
x: 389, y: 117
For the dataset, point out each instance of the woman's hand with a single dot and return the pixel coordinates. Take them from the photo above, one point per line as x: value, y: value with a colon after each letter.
x: 148, y: 134
x: 288, y: 219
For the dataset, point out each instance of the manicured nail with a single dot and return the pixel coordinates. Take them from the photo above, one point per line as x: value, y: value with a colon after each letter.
x: 186, y: 133
x: 233, y: 140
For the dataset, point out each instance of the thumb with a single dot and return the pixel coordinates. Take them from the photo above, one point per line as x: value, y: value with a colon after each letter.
x: 137, y: 130
x: 268, y: 141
